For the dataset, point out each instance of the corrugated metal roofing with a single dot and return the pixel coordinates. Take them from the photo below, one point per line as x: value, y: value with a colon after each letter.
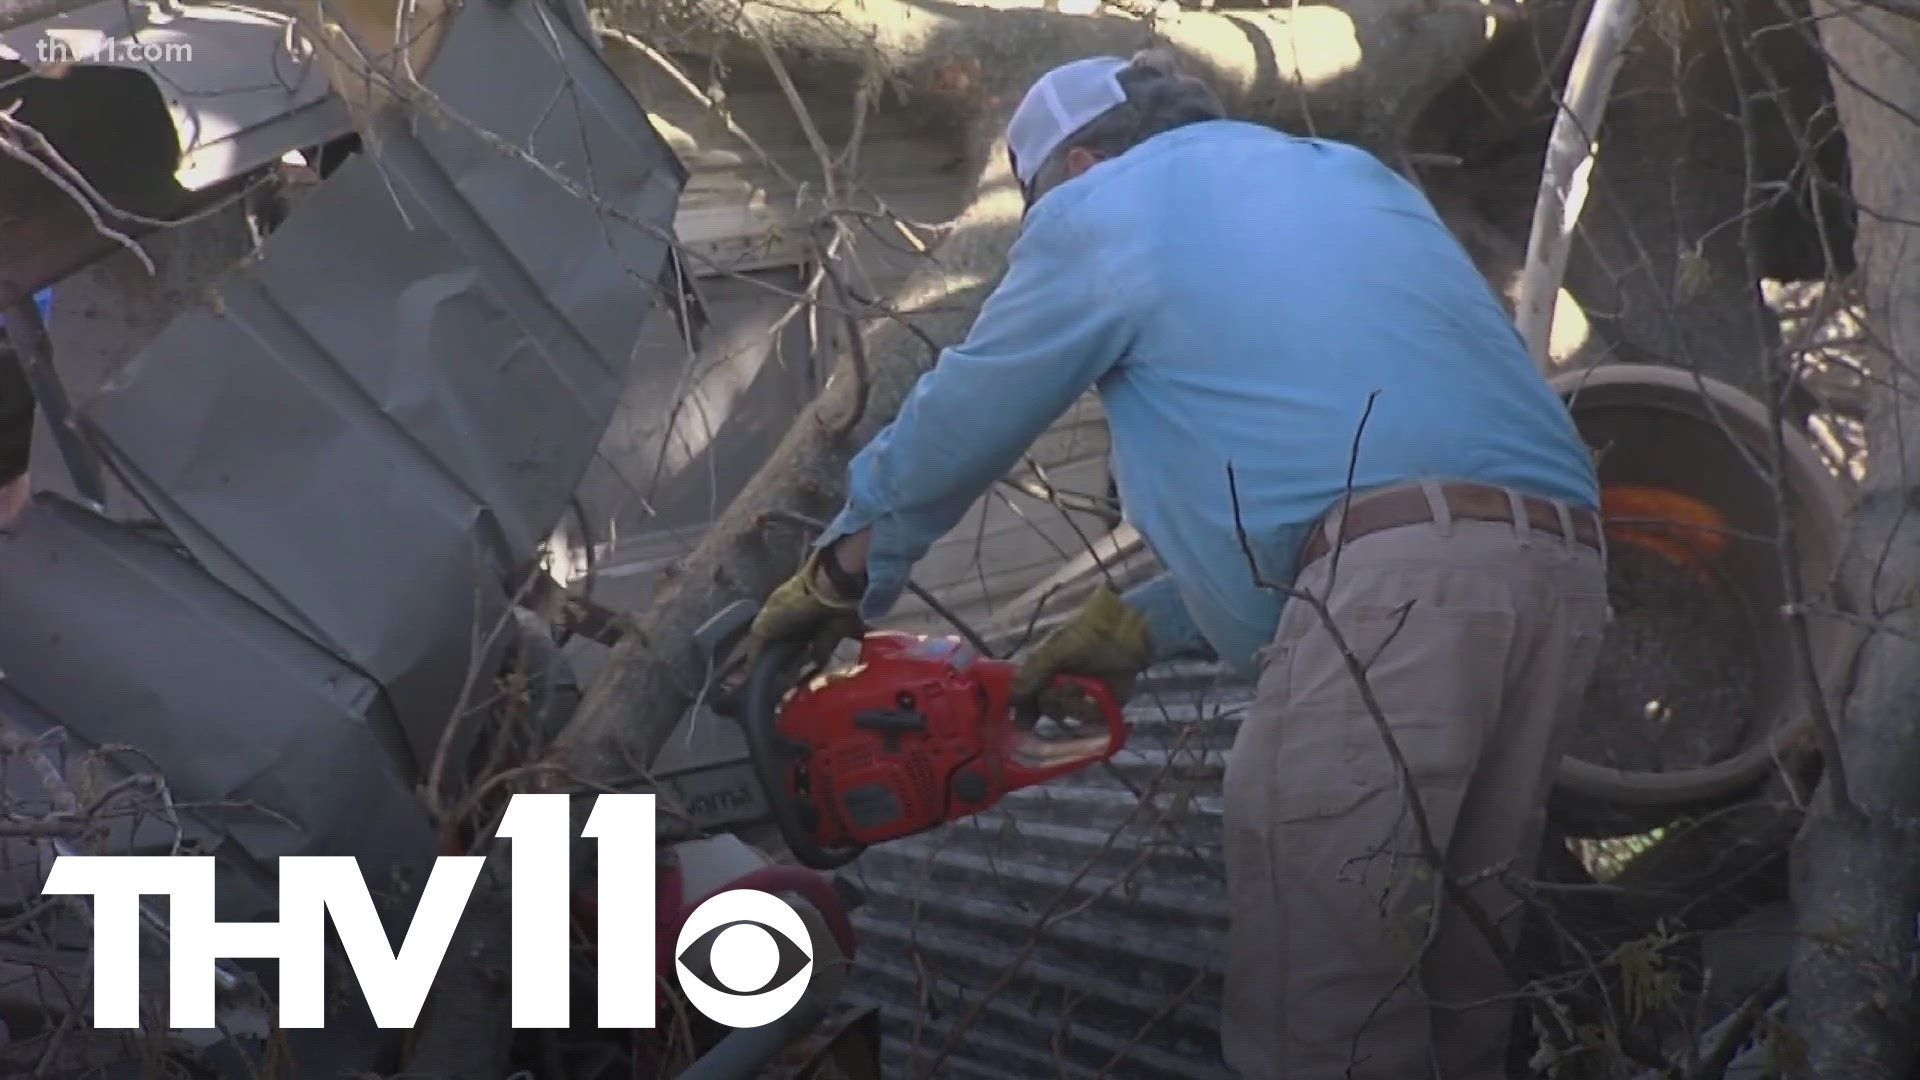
x: 1082, y: 922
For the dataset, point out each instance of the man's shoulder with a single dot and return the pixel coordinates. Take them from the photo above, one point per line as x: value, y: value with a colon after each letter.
x: 1061, y: 216
x: 1189, y: 156
x: 1206, y: 137
x: 1108, y: 205
x: 1222, y: 130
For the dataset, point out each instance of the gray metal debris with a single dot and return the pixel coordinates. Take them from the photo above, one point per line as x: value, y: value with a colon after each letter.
x: 354, y: 447
x: 234, y: 80
x: 377, y: 422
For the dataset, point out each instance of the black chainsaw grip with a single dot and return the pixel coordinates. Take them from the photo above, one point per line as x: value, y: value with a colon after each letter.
x: 759, y: 715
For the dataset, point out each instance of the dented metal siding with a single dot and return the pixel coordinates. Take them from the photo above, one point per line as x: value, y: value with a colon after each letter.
x: 277, y: 745
x: 1126, y: 988
x: 352, y: 445
x: 372, y: 427
x: 234, y: 80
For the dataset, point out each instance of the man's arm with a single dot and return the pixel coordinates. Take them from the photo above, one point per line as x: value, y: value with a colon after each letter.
x: 1050, y: 330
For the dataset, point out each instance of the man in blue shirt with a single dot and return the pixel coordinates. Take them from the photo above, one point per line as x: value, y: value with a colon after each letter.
x: 1321, y: 418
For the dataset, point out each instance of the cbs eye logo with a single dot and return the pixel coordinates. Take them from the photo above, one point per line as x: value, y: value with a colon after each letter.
x: 744, y: 958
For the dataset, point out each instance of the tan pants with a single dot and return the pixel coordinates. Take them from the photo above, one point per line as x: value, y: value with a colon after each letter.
x: 1478, y: 640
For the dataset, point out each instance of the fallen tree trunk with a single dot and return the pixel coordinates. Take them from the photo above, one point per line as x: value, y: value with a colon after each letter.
x: 1356, y: 69
x: 1359, y: 70
x: 1856, y: 863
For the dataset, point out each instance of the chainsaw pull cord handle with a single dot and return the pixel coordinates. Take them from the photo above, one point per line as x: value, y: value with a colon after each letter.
x: 768, y: 750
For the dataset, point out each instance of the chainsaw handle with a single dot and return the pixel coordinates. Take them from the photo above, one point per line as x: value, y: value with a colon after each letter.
x: 767, y: 749
x: 1102, y: 695
x: 1113, y: 718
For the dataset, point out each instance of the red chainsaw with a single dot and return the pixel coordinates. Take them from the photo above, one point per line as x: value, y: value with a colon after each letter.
x: 915, y: 732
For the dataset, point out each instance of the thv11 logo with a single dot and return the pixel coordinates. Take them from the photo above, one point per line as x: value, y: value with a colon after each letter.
x: 744, y: 958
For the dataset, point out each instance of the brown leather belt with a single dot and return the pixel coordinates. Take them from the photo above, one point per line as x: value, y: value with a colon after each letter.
x: 1401, y: 506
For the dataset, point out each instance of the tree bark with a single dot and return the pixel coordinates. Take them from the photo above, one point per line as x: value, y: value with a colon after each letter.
x: 1856, y: 863
x: 1358, y: 70
x: 1660, y: 269
x: 1354, y: 68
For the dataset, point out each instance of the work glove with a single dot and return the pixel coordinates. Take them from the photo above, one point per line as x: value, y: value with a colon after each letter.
x: 797, y: 613
x: 1106, y: 640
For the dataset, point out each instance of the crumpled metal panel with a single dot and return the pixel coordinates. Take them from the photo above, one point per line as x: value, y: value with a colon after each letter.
x: 121, y: 641
x: 42, y: 979
x: 1087, y: 932
x: 372, y: 426
x: 24, y: 862
x: 238, y: 88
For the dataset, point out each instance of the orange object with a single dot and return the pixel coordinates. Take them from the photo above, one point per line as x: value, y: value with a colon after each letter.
x: 1680, y: 528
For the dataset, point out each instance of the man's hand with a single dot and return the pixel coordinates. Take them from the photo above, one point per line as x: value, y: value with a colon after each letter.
x: 804, y: 611
x: 1106, y: 640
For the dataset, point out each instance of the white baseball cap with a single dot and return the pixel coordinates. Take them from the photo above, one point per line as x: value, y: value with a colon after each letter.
x: 1062, y: 102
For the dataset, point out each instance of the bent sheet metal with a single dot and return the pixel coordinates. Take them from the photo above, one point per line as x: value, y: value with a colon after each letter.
x: 353, y: 446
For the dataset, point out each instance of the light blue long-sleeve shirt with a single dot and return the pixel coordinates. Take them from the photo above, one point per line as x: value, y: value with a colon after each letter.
x: 1234, y: 295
